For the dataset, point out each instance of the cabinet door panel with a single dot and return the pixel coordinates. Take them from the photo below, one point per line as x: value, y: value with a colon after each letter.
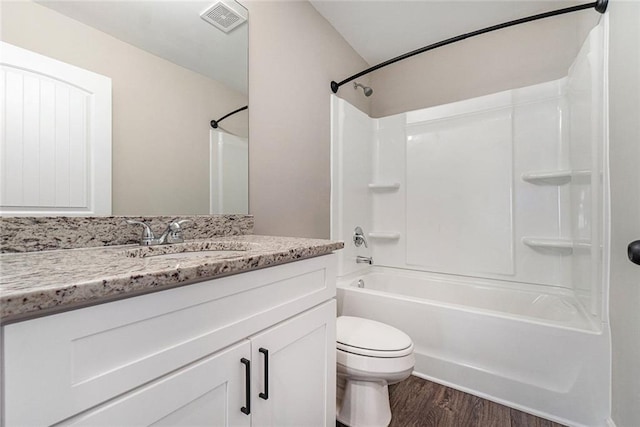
x: 207, y: 393
x: 301, y: 371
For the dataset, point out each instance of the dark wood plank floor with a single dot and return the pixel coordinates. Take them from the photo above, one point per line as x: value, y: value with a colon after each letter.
x: 420, y: 403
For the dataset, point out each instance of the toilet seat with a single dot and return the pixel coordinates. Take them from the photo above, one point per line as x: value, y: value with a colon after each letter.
x: 366, y: 337
x: 374, y: 353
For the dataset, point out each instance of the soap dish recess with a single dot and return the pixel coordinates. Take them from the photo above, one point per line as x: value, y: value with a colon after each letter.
x: 384, y: 185
x: 385, y: 235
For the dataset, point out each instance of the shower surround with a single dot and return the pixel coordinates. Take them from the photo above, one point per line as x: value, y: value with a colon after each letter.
x: 487, y: 220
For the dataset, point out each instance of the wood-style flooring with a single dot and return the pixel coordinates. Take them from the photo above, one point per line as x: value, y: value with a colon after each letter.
x: 420, y: 403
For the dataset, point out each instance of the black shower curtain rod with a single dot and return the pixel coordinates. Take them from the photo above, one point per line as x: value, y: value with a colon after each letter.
x: 214, y: 123
x: 599, y: 5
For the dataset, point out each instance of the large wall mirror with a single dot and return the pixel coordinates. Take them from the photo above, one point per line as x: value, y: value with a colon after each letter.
x: 172, y: 72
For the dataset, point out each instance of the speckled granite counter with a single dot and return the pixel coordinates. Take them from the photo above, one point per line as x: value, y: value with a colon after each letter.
x: 32, y: 234
x: 39, y: 283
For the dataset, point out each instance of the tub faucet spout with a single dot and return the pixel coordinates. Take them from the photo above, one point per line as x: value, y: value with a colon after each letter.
x: 364, y: 260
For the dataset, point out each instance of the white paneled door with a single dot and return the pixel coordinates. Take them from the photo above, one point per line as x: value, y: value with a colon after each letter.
x: 56, y: 139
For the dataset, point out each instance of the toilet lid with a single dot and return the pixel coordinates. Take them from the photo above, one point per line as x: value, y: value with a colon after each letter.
x: 371, y: 338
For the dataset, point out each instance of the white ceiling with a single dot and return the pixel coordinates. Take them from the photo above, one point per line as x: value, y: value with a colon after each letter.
x: 381, y: 30
x: 170, y: 29
x: 377, y: 29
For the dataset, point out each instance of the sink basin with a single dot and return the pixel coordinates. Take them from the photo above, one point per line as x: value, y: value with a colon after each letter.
x: 187, y: 250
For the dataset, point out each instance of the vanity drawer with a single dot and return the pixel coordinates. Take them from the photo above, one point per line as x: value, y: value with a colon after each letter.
x: 59, y: 365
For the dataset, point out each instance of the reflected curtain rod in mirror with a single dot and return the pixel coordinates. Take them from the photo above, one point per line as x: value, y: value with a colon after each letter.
x: 214, y: 123
x: 599, y: 5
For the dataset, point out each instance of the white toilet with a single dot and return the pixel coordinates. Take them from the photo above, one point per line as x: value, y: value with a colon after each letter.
x: 370, y: 356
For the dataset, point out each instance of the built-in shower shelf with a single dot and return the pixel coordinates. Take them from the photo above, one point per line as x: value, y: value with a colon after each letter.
x: 564, y: 244
x: 553, y: 177
x: 384, y: 235
x: 539, y: 242
x: 384, y: 186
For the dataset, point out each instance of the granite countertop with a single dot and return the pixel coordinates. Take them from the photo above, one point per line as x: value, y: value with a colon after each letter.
x: 39, y: 283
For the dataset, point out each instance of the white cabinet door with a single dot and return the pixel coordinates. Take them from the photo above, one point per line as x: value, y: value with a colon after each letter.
x: 210, y: 392
x: 298, y: 388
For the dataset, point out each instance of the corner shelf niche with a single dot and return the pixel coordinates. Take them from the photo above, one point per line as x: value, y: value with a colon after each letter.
x: 553, y: 177
x: 384, y: 235
x: 384, y: 186
x: 564, y: 245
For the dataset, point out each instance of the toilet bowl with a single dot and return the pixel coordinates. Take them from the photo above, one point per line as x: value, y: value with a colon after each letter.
x: 370, y: 356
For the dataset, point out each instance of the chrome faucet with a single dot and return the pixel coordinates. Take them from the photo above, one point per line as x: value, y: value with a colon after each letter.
x: 364, y: 260
x: 358, y: 237
x: 172, y: 234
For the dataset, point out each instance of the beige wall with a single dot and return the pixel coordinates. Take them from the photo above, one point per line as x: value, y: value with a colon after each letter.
x: 505, y: 59
x: 624, y: 155
x: 294, y: 53
x: 289, y: 70
x: 161, y: 111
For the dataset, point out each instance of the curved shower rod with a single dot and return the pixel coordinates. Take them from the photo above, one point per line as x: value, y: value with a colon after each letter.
x: 214, y: 123
x: 599, y: 5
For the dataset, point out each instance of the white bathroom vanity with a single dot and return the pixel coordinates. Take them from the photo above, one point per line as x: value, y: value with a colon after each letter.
x: 248, y: 349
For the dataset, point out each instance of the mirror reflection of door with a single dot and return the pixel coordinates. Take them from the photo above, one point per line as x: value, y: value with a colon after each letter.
x: 56, y: 144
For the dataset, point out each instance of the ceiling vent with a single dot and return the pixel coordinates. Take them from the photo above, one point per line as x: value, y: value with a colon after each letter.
x: 225, y: 15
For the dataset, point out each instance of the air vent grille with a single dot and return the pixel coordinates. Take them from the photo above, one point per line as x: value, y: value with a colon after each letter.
x: 224, y: 16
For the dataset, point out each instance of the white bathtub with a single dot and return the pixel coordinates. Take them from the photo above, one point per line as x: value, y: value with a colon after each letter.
x: 538, y: 352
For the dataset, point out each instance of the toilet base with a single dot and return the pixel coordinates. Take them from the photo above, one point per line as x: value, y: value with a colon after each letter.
x: 365, y: 404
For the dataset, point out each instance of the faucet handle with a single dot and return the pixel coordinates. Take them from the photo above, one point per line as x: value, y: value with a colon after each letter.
x: 147, y: 236
x: 358, y: 237
x: 175, y: 225
x: 175, y: 231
